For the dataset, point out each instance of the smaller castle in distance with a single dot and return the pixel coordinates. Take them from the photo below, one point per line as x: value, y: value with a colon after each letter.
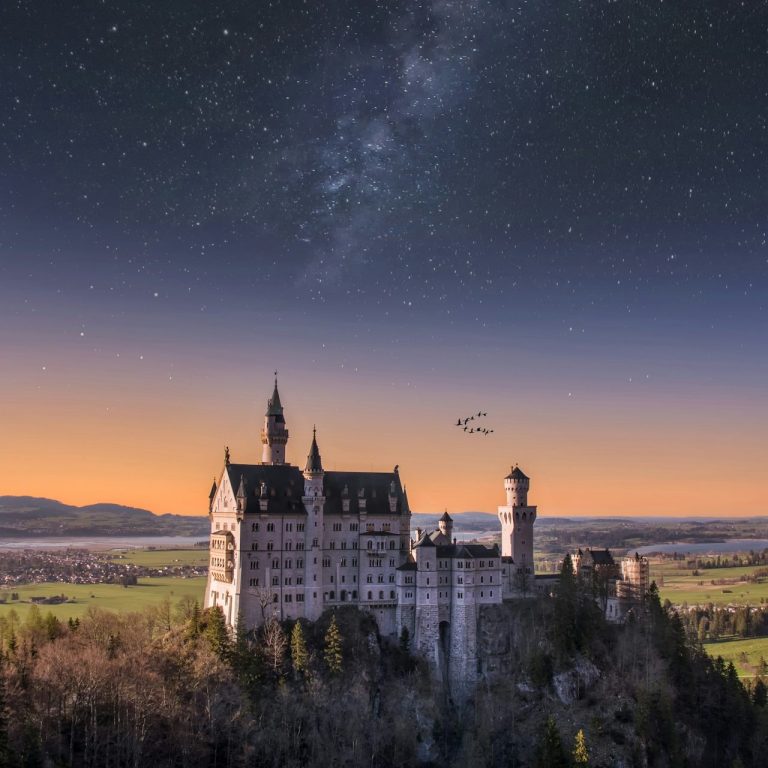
x: 289, y: 543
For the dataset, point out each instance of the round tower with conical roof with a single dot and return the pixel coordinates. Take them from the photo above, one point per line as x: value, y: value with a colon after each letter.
x: 274, y: 434
x: 517, y: 519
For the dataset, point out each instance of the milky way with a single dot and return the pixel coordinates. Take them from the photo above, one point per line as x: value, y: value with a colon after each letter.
x: 433, y: 153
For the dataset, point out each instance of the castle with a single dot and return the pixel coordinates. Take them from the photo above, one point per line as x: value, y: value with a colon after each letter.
x: 289, y: 543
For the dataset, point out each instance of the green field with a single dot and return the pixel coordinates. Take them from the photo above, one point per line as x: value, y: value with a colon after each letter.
x: 111, y: 597
x: 679, y: 585
x: 156, y: 558
x: 745, y: 654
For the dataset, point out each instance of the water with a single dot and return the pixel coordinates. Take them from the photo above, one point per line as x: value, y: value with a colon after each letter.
x: 704, y: 548
x: 102, y: 542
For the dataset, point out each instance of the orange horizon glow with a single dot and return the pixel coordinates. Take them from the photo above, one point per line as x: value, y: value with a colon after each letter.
x: 114, y: 439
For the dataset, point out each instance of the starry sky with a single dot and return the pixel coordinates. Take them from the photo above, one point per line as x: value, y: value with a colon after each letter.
x: 554, y: 212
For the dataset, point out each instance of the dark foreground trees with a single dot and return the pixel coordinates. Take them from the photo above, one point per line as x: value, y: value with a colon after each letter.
x: 173, y: 689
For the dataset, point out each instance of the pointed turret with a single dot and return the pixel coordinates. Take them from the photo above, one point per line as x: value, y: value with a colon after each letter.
x: 445, y: 525
x: 212, y: 495
x: 242, y: 495
x: 314, y: 462
x: 274, y: 435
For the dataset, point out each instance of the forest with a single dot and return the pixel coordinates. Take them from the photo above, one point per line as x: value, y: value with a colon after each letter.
x: 171, y: 688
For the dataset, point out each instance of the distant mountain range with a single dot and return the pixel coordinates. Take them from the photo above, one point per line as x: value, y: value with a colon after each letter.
x: 29, y: 515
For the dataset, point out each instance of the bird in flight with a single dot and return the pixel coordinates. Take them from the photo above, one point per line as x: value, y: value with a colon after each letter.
x: 479, y: 429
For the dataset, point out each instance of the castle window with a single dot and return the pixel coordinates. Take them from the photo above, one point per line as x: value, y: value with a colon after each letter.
x: 255, y: 527
x: 299, y: 579
x: 343, y: 579
x: 381, y: 578
x: 460, y: 595
x: 254, y: 582
x: 427, y: 582
x: 270, y: 546
x: 370, y: 595
x: 274, y: 598
x: 299, y: 563
x: 332, y: 545
x: 288, y: 546
x: 381, y: 594
x: 482, y: 594
x: 287, y: 563
x: 288, y: 581
x: 490, y: 563
x: 332, y: 595
x: 354, y: 594
x: 289, y: 527
x: 343, y: 544
x: 314, y: 542
x: 370, y: 544
x: 288, y: 598
x: 299, y: 598
x: 491, y: 593
x: 354, y: 562
x: 369, y: 579
x: 391, y: 578
x: 392, y: 563
x: 353, y: 527
x: 343, y: 562
x: 275, y: 564
x: 337, y: 526
x: 299, y: 545
x: 300, y: 527
x: 254, y: 545
x: 270, y: 526
x: 275, y: 581
x: 482, y: 579
x: 326, y: 562
x: 354, y: 545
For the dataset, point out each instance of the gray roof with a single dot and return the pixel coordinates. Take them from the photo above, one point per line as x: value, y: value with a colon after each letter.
x: 446, y: 518
x: 314, y: 463
x: 599, y: 556
x: 274, y: 406
x: 517, y: 474
x: 285, y: 488
x: 467, y: 551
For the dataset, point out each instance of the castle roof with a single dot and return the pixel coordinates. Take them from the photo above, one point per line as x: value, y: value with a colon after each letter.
x: 467, y: 551
x: 285, y: 488
x: 409, y: 565
x: 314, y: 463
x: 424, y: 541
x: 446, y: 518
x: 599, y: 556
x: 517, y: 474
x: 274, y: 406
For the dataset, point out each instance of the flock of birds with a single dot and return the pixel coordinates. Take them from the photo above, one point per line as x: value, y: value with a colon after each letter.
x: 475, y: 429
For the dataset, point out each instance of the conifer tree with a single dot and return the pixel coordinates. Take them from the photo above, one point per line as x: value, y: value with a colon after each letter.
x: 551, y: 752
x: 332, y: 651
x: 216, y: 632
x: 580, y: 752
x: 299, y: 655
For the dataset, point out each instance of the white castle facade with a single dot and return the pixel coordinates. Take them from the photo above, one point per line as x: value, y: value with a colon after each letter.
x: 291, y: 543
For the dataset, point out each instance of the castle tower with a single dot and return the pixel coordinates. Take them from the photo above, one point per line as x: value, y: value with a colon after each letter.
x: 314, y: 503
x: 274, y: 435
x: 517, y: 519
x: 445, y: 524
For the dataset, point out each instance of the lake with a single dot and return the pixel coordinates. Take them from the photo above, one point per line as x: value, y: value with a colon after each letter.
x: 703, y: 548
x: 102, y: 542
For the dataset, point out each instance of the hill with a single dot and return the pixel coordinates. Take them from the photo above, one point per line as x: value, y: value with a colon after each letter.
x: 30, y: 515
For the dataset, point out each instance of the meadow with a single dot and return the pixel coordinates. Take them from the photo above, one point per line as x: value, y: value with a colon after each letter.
x: 110, y: 597
x: 746, y: 654
x: 114, y: 597
x: 680, y: 586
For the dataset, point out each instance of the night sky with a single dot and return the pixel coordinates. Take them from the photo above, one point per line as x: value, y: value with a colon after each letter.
x: 555, y: 212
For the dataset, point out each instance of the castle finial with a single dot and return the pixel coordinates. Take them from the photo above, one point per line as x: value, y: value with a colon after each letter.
x: 226, y: 455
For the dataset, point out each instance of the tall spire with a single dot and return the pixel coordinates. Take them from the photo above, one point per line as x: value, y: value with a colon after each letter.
x: 274, y: 406
x: 314, y: 463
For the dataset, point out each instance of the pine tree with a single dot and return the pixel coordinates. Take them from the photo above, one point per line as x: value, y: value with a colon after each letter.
x: 216, y: 632
x: 332, y: 651
x: 551, y: 752
x: 299, y: 655
x: 5, y: 755
x: 580, y: 752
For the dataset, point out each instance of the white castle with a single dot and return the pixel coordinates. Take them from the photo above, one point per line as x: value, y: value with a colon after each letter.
x: 290, y: 543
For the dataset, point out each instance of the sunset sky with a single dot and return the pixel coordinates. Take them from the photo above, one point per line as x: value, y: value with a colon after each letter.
x: 555, y: 213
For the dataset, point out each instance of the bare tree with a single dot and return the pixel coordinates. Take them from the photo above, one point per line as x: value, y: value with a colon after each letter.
x: 275, y: 643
